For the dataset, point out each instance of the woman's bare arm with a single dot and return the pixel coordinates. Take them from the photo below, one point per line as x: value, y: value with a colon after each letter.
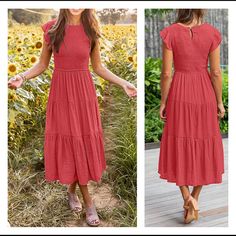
x: 106, y: 74
x: 216, y: 78
x: 34, y: 71
x: 166, y: 77
x: 42, y: 65
x: 215, y: 72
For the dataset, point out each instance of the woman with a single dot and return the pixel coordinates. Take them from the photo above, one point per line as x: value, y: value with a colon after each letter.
x: 73, y: 146
x: 191, y: 151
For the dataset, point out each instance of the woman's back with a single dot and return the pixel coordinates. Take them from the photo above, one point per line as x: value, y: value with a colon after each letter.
x: 191, y: 45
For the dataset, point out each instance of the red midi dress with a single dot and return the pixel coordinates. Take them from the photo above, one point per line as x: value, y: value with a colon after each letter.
x: 73, y: 144
x: 191, y: 150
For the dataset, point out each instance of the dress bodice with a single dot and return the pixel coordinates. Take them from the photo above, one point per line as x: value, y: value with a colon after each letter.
x: 191, y: 46
x: 74, y: 51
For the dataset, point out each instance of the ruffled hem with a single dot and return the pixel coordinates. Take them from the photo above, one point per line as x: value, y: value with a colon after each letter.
x: 67, y: 182
x: 191, y: 161
x: 217, y: 180
x: 71, y: 159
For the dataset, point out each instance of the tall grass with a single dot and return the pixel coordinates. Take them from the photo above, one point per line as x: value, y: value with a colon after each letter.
x: 120, y: 120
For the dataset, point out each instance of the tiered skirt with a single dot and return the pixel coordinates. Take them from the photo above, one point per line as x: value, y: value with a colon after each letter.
x: 191, y: 151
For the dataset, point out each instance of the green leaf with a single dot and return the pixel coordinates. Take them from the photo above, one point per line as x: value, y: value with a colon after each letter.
x: 25, y: 94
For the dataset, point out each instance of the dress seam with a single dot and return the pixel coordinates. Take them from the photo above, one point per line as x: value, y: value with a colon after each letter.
x: 189, y: 137
x: 74, y: 136
x: 191, y: 103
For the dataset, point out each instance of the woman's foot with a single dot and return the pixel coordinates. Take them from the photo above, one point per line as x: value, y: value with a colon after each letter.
x: 92, y: 218
x: 74, y: 202
x: 191, y: 210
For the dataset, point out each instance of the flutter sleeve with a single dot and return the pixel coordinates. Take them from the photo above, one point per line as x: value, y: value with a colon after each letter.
x: 45, y: 27
x: 166, y: 38
x: 216, y: 40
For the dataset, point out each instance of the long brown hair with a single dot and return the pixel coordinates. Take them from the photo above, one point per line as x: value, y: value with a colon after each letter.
x: 89, y: 21
x: 188, y: 15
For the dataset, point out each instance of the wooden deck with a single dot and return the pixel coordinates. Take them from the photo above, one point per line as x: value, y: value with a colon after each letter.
x: 163, y: 201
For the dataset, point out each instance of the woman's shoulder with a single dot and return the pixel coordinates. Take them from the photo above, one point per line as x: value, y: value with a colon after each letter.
x: 170, y: 27
x: 46, y: 26
x: 210, y: 28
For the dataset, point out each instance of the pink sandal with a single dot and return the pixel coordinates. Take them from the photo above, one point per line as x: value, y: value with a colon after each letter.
x: 92, y: 218
x: 74, y: 202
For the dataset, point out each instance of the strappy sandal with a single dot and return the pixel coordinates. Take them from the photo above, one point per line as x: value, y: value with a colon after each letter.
x: 74, y: 202
x: 92, y: 218
x: 191, y: 210
x: 186, y: 207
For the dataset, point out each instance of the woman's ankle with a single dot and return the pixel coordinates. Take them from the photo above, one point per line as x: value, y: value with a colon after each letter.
x: 88, y: 202
x: 71, y: 188
x: 187, y: 198
x: 195, y: 197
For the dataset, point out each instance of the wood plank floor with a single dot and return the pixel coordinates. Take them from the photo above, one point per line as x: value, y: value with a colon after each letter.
x: 163, y: 201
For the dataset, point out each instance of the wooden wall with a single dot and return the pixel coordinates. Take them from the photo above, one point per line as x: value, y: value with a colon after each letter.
x: 153, y: 24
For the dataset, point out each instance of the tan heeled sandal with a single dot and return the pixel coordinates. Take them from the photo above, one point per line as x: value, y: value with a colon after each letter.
x: 191, y: 210
x: 185, y: 210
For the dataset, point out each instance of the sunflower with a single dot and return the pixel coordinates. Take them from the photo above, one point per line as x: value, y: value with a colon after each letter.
x: 19, y: 49
x: 123, y: 46
x: 135, y: 66
x: 130, y: 58
x: 38, y: 45
x: 33, y: 59
x: 11, y: 69
x: 26, y: 39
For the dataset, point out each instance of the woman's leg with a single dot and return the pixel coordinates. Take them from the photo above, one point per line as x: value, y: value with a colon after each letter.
x: 86, y: 196
x: 190, y: 204
x: 185, y: 192
x: 74, y: 201
x: 196, y: 191
x: 92, y: 218
x: 72, y: 188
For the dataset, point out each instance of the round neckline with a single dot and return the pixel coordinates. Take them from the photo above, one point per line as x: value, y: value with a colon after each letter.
x: 74, y: 25
x: 190, y: 27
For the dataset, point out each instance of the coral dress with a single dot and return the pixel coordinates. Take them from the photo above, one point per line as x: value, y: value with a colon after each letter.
x: 73, y: 146
x: 191, y: 151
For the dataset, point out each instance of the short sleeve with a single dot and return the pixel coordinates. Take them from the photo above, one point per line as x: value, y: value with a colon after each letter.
x: 45, y: 27
x: 216, y: 40
x: 165, y: 36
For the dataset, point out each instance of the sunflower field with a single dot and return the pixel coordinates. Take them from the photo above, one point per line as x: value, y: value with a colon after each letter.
x: 26, y: 122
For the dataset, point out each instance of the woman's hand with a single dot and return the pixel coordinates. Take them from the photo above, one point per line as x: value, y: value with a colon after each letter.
x: 15, y: 82
x: 130, y: 89
x: 162, y: 112
x: 221, y: 110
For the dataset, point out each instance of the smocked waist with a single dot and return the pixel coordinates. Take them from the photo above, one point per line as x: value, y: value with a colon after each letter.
x: 191, y: 70
x: 71, y: 69
x: 62, y: 63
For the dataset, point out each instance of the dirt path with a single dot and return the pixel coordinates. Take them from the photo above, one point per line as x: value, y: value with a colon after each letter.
x: 105, y: 203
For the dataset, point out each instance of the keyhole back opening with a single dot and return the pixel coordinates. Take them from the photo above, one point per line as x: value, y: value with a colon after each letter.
x: 191, y: 33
